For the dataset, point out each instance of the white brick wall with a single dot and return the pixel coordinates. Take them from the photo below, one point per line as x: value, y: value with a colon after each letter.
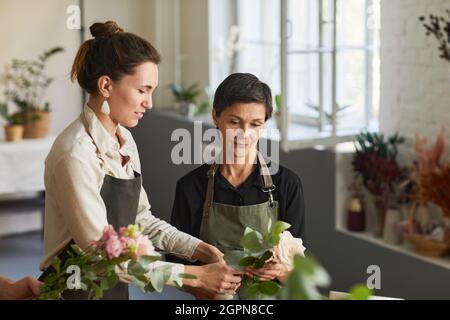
x: 415, y: 82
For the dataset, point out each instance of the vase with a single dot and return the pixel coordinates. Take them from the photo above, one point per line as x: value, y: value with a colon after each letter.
x: 356, y: 216
x: 380, y: 216
x: 391, y: 233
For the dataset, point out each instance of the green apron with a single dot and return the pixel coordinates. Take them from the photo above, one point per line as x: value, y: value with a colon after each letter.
x: 223, y: 225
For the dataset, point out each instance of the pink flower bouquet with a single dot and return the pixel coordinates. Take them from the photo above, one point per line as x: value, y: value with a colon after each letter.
x: 126, y: 256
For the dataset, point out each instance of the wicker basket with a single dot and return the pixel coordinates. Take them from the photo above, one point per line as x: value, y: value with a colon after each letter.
x: 423, y: 246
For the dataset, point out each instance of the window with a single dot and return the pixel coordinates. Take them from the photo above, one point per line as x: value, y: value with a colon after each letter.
x: 324, y: 58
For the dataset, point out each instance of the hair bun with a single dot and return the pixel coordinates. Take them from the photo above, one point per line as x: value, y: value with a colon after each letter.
x: 108, y: 28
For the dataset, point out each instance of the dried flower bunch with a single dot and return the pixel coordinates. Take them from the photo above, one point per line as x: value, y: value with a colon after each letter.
x: 375, y: 160
x: 439, y: 26
x: 432, y: 177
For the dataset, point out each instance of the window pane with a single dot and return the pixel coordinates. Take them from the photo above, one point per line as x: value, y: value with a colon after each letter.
x: 351, y: 89
x: 351, y: 23
x: 259, y: 21
x: 303, y: 84
x: 303, y: 29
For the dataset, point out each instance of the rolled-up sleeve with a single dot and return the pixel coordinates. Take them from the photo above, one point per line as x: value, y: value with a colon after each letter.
x: 79, y: 199
x: 165, y: 237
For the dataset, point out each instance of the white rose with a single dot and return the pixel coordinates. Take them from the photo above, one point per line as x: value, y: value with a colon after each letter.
x: 144, y: 247
x: 287, y: 248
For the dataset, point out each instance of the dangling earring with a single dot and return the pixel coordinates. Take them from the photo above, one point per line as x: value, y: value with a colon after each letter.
x: 105, y: 108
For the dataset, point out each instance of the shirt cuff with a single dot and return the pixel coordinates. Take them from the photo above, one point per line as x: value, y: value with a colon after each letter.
x: 184, y: 247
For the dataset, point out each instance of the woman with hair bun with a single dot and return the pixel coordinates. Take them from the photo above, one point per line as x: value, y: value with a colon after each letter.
x: 92, y: 173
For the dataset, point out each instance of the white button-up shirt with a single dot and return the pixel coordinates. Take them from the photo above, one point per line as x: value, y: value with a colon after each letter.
x: 74, y: 171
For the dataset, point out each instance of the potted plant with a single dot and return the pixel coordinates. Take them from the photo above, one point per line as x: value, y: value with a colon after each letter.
x: 186, y: 100
x: 26, y: 85
x: 375, y: 160
x: 14, y: 127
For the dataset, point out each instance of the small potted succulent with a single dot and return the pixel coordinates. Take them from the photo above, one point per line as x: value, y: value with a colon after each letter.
x: 26, y: 83
x: 14, y: 128
x: 186, y: 98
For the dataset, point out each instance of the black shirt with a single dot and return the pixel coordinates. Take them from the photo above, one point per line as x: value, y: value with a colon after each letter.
x: 191, y: 192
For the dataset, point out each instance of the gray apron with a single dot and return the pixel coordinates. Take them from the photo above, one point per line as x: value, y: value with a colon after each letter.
x: 223, y: 225
x: 121, y: 198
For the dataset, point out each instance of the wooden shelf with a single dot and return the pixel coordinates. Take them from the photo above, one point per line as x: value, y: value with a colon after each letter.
x: 403, y: 248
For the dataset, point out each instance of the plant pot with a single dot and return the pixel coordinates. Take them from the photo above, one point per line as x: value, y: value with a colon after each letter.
x: 380, y: 216
x: 186, y: 108
x: 14, y: 132
x: 37, y: 128
x: 391, y: 233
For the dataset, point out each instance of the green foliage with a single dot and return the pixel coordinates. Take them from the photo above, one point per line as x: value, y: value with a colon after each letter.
x: 367, y: 142
x: 12, y: 119
x: 304, y: 280
x: 183, y: 94
x: 190, y: 95
x: 328, y: 115
x: 360, y: 292
x: 257, y: 250
x: 27, y: 81
x: 278, y: 104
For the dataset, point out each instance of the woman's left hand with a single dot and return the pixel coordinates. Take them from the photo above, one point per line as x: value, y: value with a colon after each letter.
x: 271, y: 270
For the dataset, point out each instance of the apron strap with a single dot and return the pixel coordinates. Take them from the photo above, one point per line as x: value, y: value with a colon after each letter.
x: 267, y: 178
x: 210, y: 190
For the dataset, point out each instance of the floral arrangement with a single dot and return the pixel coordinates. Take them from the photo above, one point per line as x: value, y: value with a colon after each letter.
x: 432, y: 182
x: 375, y: 160
x: 258, y: 249
x: 439, y: 27
x: 127, y: 255
x: 305, y: 275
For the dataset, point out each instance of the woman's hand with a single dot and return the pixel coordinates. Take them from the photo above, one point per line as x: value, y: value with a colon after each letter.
x: 213, y: 279
x: 24, y: 289
x: 207, y: 253
x: 271, y: 270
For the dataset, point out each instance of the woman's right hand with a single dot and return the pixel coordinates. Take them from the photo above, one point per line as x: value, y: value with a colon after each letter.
x: 216, y: 278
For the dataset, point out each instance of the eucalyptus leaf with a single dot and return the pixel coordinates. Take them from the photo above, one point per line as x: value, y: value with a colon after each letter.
x: 159, y: 277
x: 137, y: 269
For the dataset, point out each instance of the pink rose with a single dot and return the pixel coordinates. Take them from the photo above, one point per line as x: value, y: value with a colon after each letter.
x: 113, y: 246
x: 108, y: 232
x: 287, y: 248
x: 127, y: 243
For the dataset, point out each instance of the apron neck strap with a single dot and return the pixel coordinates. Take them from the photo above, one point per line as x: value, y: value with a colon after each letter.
x: 267, y: 178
